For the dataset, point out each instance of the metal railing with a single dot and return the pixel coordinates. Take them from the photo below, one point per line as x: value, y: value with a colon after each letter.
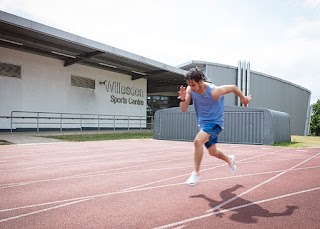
x: 74, y: 121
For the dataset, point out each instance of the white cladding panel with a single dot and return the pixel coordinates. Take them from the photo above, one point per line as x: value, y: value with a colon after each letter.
x: 45, y: 85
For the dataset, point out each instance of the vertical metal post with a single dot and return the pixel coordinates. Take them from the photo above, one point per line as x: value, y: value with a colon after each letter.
x: 37, y: 122
x: 81, y: 122
x: 61, y: 122
x: 114, y: 123
x: 11, y: 122
x: 98, y: 122
x: 128, y: 122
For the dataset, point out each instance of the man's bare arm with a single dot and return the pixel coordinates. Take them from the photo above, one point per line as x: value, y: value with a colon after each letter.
x: 226, y: 89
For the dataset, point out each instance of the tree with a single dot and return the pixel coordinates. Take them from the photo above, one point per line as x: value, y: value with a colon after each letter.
x: 315, y: 119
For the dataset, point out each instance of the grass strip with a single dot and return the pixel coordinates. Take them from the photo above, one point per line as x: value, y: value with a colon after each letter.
x: 3, y: 142
x: 301, y: 142
x: 104, y: 136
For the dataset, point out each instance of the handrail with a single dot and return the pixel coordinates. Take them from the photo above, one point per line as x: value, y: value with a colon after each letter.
x: 36, y: 119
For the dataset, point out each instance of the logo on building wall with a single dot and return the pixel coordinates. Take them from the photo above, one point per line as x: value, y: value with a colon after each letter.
x: 124, y: 94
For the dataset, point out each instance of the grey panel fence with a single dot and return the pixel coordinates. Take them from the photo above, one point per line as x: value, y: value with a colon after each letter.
x: 241, y: 125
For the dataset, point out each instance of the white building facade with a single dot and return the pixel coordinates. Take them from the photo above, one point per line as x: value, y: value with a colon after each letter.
x: 44, y: 85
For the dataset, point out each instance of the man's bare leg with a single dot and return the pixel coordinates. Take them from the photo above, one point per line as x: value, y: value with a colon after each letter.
x: 201, y: 138
x: 214, y: 151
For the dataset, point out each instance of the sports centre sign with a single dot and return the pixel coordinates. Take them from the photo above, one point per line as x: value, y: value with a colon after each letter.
x: 122, y: 94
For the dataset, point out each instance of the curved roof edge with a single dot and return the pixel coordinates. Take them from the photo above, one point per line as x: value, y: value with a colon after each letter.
x: 194, y: 63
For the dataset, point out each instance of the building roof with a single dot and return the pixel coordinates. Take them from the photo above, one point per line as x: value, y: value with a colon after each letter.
x: 32, y: 37
x: 201, y: 64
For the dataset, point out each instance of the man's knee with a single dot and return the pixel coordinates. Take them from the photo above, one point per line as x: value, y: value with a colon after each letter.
x: 213, y: 151
x: 198, y: 142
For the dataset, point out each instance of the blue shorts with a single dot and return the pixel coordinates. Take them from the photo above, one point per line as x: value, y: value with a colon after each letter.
x: 214, y: 130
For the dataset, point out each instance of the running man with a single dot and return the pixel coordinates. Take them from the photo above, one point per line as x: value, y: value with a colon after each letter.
x: 208, y: 100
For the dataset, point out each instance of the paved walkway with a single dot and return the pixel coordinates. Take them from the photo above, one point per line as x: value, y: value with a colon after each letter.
x: 34, y: 137
x: 26, y: 138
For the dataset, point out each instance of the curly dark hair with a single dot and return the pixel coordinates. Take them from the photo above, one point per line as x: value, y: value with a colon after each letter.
x: 195, y: 74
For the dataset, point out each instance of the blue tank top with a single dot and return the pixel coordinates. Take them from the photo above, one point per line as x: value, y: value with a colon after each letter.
x: 208, y: 110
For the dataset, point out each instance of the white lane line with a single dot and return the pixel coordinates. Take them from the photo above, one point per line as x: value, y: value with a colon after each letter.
x: 146, y: 189
x: 72, y: 152
x: 72, y: 164
x: 170, y: 178
x: 259, y: 185
x: 102, y: 159
x: 187, y: 174
x: 11, y: 185
x: 258, y: 174
x: 42, y: 210
x: 235, y: 208
x: 267, y: 200
x: 87, y: 198
x: 90, y: 174
x: 107, y: 173
x: 108, y: 194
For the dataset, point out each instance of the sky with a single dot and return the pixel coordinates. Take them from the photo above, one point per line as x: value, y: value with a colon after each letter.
x: 280, y: 38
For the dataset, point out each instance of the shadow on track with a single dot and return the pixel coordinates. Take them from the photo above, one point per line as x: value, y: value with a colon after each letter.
x: 246, y: 214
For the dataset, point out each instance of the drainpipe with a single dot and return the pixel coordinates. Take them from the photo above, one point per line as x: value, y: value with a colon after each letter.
x: 248, y: 79
x: 239, y: 82
x: 244, y: 78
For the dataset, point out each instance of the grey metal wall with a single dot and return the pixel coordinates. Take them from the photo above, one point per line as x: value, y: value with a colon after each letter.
x: 219, y: 75
x: 242, y: 125
x: 267, y: 92
x: 281, y: 96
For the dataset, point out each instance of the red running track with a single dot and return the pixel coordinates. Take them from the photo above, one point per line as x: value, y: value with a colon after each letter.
x: 140, y: 184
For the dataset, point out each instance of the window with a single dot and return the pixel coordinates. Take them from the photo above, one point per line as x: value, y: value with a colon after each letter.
x: 79, y: 81
x: 10, y: 70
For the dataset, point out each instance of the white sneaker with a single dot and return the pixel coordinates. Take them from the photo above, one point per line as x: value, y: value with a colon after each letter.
x: 193, y: 179
x: 233, y: 164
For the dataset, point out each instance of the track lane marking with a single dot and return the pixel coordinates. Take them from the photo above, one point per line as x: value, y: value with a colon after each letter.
x: 234, y: 208
x: 102, y: 172
x: 83, y: 174
x: 259, y: 185
x: 213, y: 211
x: 187, y: 174
x: 42, y: 210
x: 146, y: 189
